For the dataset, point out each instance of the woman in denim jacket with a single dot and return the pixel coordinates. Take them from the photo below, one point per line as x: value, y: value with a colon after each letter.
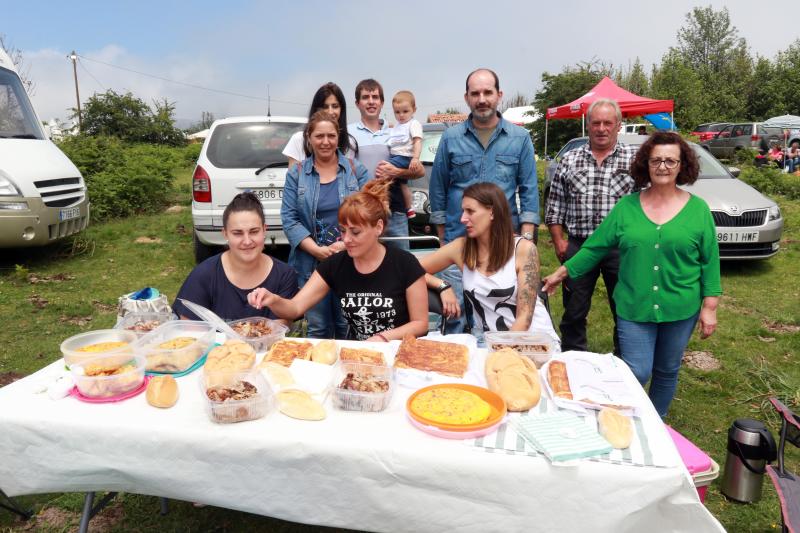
x: 312, y: 194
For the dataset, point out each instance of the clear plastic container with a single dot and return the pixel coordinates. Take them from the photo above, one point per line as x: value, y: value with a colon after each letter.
x: 93, y: 341
x: 230, y: 411
x: 354, y: 400
x: 168, y: 348
x: 143, y: 323
x: 260, y: 343
x: 539, y: 347
x: 90, y: 384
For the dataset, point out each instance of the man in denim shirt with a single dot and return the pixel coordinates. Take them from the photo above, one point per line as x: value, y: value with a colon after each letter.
x: 485, y: 147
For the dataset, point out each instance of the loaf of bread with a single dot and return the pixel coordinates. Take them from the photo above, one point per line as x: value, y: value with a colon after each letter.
x: 162, y: 391
x: 324, y: 352
x: 615, y: 427
x: 514, y: 378
x: 559, y: 382
x: 299, y: 404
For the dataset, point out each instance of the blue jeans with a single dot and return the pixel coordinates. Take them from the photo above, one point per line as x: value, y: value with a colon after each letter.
x: 325, y: 320
x: 452, y: 275
x: 655, y: 350
x: 398, y: 227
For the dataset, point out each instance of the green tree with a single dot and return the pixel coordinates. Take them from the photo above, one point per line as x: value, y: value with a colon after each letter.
x: 206, y: 120
x: 676, y: 80
x: 635, y: 79
x: 128, y: 118
x: 762, y: 98
x: 708, y: 39
x: 787, y: 72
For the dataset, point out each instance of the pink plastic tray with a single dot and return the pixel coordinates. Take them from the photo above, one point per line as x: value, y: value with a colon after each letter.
x: 443, y: 434
x: 75, y: 393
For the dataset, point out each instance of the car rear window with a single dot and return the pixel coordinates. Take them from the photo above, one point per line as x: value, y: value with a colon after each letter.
x: 717, y: 127
x: 703, y: 127
x: 249, y: 144
x: 430, y: 143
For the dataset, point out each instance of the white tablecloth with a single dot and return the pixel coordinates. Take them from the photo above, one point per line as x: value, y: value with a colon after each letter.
x: 367, y: 471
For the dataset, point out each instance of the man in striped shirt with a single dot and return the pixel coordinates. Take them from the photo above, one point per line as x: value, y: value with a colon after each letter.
x: 587, y: 184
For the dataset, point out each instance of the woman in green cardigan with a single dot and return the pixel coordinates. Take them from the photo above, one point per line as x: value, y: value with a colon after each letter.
x: 669, y: 264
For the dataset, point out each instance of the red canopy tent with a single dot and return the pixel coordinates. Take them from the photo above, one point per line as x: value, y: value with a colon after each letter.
x: 630, y: 104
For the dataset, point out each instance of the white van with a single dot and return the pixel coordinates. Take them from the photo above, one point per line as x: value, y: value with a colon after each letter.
x: 42, y: 194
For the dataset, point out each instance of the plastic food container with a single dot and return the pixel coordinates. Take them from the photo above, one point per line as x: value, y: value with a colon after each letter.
x: 539, y: 347
x: 92, y: 384
x: 168, y: 348
x: 230, y: 411
x: 94, y: 341
x: 143, y: 323
x: 354, y: 400
x: 259, y: 343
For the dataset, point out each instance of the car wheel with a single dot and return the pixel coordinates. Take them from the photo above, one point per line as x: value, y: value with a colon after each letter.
x: 202, y: 251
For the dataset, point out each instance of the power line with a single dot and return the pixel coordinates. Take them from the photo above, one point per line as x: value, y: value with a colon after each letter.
x: 92, y: 76
x: 192, y: 85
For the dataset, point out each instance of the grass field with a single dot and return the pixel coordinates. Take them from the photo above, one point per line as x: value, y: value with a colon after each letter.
x: 49, y: 294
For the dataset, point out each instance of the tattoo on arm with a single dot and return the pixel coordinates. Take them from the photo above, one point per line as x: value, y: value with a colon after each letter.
x: 526, y: 300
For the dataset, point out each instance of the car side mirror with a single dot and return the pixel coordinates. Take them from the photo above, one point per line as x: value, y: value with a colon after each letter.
x: 735, y: 171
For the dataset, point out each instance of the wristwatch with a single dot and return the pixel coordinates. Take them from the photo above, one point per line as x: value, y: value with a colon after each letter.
x: 443, y: 287
x: 528, y: 235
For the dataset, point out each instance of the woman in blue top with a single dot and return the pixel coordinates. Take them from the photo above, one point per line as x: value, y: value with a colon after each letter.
x: 312, y: 194
x: 221, y: 282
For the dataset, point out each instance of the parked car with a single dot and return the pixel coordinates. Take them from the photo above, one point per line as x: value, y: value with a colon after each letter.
x: 742, y: 135
x: 749, y: 225
x: 419, y: 225
x: 43, y: 197
x: 240, y: 154
x: 707, y: 131
x: 632, y: 129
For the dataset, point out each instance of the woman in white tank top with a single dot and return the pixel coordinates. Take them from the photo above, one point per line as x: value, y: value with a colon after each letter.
x: 500, y: 271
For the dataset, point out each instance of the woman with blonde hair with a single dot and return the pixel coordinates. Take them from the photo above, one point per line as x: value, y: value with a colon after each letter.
x: 381, y: 289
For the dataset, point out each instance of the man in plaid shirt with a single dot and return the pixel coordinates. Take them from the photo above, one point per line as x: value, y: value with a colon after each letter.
x: 588, y: 182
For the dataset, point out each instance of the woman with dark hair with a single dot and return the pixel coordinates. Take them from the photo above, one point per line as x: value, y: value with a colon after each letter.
x: 312, y: 194
x: 222, y: 282
x: 328, y: 98
x: 500, y: 271
x: 381, y: 289
x: 669, y: 264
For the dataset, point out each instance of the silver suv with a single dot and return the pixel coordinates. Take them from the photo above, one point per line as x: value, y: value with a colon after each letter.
x: 742, y: 135
x: 240, y: 154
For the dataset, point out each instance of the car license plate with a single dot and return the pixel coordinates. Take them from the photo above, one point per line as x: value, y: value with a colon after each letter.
x: 69, y: 214
x: 737, y: 236
x: 272, y: 193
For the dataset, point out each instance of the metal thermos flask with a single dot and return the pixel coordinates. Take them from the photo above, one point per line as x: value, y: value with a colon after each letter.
x: 750, y: 448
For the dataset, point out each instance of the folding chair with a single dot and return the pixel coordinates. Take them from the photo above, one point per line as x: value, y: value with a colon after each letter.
x: 787, y: 484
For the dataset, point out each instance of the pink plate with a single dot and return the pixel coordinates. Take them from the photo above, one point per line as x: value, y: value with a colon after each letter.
x: 444, y: 434
x: 130, y: 394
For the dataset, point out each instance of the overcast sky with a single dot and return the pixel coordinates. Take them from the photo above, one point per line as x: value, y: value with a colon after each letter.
x: 294, y: 47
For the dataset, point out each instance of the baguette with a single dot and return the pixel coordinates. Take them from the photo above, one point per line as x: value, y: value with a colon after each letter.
x: 559, y: 382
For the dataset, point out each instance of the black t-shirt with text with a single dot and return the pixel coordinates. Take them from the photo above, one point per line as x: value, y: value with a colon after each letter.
x: 372, y: 302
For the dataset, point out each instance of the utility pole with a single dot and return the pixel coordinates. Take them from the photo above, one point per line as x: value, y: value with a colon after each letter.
x: 74, y: 57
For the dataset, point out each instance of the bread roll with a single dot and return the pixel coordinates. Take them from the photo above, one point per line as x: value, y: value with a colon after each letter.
x: 615, y: 427
x: 514, y: 378
x: 324, y: 352
x: 162, y: 391
x: 299, y: 404
x: 559, y: 382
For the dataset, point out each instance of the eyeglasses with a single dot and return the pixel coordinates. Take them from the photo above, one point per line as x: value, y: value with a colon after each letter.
x: 669, y: 163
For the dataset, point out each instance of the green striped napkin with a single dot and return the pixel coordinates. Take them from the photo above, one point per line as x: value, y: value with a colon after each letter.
x: 561, y: 436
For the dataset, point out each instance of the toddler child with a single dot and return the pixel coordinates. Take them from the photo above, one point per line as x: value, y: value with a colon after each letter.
x: 405, y: 140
